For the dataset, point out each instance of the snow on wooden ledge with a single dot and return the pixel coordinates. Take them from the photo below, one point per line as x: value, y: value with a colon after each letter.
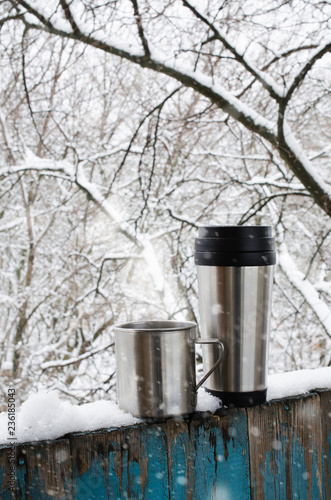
x: 44, y: 415
x: 279, y: 450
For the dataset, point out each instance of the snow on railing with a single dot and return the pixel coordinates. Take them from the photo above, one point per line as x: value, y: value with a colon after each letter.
x: 277, y: 450
x: 44, y: 415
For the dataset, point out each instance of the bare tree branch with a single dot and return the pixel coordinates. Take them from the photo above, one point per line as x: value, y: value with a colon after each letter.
x: 269, y: 84
x: 44, y: 21
x: 69, y: 16
x: 284, y: 54
x: 9, y: 18
x: 150, y: 113
x: 61, y: 363
x: 298, y: 79
x: 260, y: 204
x: 141, y: 29
x: 27, y: 93
x: 252, y: 120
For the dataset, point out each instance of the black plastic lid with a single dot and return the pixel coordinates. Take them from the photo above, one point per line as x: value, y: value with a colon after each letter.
x: 235, y: 232
x: 235, y: 246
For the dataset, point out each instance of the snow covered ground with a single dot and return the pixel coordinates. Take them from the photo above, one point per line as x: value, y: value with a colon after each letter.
x: 45, y: 416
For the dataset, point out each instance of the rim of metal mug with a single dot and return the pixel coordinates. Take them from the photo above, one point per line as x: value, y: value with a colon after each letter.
x: 156, y: 325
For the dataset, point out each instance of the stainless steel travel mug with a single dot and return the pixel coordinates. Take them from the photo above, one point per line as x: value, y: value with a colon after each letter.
x: 155, y: 367
x: 235, y: 276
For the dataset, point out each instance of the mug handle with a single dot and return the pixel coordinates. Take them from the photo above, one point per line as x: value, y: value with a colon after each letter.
x: 215, y: 365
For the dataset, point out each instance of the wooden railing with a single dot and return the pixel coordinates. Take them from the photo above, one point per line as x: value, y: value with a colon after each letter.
x: 280, y: 450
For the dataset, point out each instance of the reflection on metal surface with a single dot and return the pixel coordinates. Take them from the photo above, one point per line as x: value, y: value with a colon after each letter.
x: 235, y: 305
x: 155, y: 364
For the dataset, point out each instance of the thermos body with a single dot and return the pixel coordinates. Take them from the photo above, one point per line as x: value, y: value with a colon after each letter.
x: 235, y: 275
x: 234, y: 305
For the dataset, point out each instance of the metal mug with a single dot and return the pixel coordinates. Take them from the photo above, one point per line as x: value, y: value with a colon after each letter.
x: 155, y: 366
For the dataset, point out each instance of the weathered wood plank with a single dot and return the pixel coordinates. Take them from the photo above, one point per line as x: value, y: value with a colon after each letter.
x: 90, y: 465
x: 280, y: 450
x: 286, y: 449
x: 42, y: 470
x: 5, y: 493
x: 48, y: 469
x: 178, y: 456
x: 129, y: 463
x: 325, y: 397
x: 115, y: 464
x: 145, y: 463
x: 219, y: 451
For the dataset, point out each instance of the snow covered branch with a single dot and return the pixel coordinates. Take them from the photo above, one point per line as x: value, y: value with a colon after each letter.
x: 69, y: 16
x: 267, y: 82
x: 294, y: 156
x: 148, y: 57
x: 318, y: 53
x: 320, y: 308
x: 143, y: 242
x: 141, y: 29
x: 66, y: 362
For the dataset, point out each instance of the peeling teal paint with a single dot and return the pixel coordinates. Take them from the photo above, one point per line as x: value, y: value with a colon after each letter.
x: 178, y: 459
x: 114, y: 480
x: 5, y: 495
x: 201, y: 457
x: 157, y: 466
x: 221, y: 462
x: 304, y: 480
x: 91, y: 484
x: 21, y: 477
x: 274, y: 474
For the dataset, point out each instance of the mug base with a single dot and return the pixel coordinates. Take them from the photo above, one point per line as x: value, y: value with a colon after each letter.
x: 240, y: 399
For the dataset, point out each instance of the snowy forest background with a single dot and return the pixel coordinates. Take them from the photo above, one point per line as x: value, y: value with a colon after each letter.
x: 123, y: 126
